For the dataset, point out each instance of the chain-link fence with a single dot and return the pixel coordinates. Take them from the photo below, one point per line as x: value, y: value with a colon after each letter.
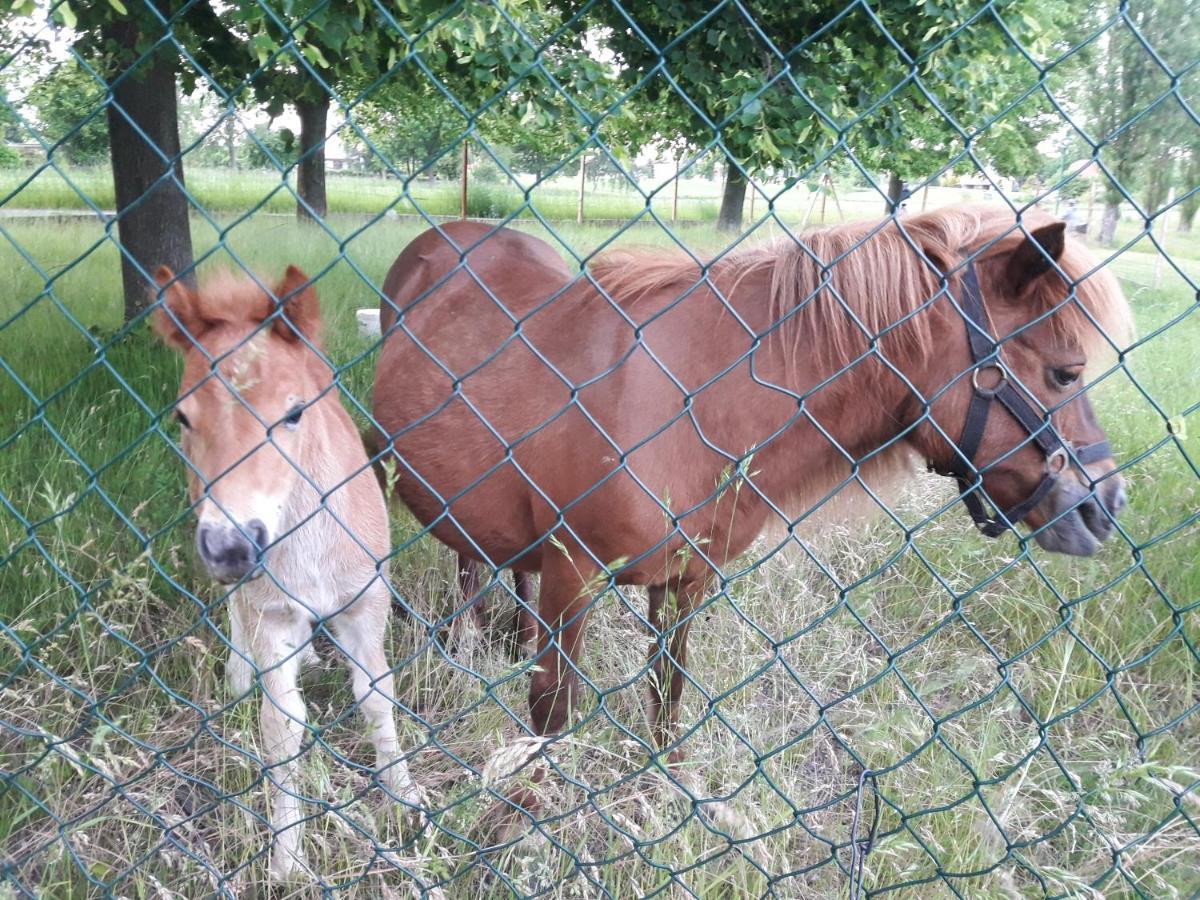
x: 615, y: 414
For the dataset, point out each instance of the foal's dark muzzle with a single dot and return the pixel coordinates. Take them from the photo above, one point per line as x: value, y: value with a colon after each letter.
x: 1079, y: 518
x: 231, y: 552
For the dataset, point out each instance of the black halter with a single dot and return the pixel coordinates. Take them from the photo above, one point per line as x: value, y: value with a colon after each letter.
x: 984, y: 355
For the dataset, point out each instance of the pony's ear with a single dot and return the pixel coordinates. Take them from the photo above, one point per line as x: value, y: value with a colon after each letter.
x: 1032, y: 258
x: 176, y: 321
x: 301, y: 309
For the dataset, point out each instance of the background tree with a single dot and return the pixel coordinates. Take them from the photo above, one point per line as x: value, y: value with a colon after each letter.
x: 121, y: 45
x: 1117, y: 84
x: 68, y: 104
x: 1190, y: 182
x: 410, y: 129
x: 299, y: 54
x: 126, y: 47
x: 773, y: 106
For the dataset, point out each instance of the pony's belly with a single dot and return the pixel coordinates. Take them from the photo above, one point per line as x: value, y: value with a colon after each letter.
x: 485, y: 523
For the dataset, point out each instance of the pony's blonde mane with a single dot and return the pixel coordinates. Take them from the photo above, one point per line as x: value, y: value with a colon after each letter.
x: 859, y: 280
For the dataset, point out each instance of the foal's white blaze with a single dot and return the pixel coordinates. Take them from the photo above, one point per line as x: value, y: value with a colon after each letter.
x: 278, y: 476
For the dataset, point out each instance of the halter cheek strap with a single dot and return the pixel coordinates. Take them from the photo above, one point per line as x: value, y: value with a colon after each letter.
x: 984, y: 355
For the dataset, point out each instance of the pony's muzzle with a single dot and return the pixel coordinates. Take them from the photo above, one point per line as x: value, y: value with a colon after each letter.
x: 229, y: 551
x: 1082, y: 516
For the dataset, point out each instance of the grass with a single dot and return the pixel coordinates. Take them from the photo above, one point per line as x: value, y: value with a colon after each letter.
x: 115, y: 719
x: 219, y: 191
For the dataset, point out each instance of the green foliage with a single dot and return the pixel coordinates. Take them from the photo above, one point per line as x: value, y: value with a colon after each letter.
x: 272, y: 148
x: 1117, y: 84
x: 9, y: 158
x: 69, y: 108
x: 792, y: 103
x: 412, y: 132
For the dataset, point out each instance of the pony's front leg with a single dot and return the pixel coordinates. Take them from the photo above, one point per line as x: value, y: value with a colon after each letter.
x: 525, y: 638
x: 564, y: 602
x: 277, y: 640
x: 466, y: 629
x: 670, y: 618
x: 360, y: 631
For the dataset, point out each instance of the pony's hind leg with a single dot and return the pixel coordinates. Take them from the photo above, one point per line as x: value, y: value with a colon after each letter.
x: 671, y: 615
x: 360, y: 632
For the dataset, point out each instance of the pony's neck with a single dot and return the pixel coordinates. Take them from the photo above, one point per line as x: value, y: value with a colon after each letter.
x: 853, y: 403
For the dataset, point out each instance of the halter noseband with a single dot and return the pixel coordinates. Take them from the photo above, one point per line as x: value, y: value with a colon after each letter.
x: 985, y: 355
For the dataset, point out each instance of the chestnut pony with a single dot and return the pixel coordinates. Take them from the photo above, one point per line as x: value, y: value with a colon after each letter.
x: 289, y: 512
x: 592, y: 432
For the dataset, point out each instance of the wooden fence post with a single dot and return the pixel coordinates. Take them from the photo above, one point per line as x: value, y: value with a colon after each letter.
x: 582, y: 187
x: 675, y: 195
x: 465, y: 160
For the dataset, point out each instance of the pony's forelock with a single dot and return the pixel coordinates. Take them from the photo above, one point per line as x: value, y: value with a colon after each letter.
x: 240, y: 302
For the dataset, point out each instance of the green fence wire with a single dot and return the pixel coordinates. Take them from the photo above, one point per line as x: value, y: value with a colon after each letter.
x: 889, y: 704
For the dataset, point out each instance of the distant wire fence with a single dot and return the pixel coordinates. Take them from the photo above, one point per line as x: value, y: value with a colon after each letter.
x: 894, y: 706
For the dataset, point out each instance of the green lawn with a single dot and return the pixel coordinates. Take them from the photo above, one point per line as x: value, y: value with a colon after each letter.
x: 112, y: 673
x: 221, y: 192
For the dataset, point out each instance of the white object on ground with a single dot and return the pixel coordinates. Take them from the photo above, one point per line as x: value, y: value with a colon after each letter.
x: 368, y: 322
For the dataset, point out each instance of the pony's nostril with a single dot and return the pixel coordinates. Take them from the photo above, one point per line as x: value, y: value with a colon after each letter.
x: 258, y: 533
x: 1117, y: 501
x: 204, y: 542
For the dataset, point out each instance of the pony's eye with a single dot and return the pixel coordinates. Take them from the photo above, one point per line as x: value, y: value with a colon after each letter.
x: 1064, y: 378
x: 292, y: 419
x: 182, y: 419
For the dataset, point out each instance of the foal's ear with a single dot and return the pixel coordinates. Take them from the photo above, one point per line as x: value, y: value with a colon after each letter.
x: 176, y: 321
x: 301, y: 309
x: 1032, y: 258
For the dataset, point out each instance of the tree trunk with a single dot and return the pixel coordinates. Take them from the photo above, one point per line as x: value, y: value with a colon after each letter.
x: 732, y: 200
x: 895, y: 194
x: 1188, y: 207
x: 152, y: 216
x: 310, y: 176
x: 1108, y: 224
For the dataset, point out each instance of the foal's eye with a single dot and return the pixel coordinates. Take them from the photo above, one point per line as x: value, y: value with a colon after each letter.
x: 292, y: 419
x: 1066, y: 377
x: 182, y: 419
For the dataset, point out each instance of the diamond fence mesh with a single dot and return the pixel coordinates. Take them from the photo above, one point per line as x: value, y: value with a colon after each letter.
x: 877, y: 698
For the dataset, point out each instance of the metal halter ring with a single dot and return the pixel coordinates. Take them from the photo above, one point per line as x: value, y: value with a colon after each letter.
x: 988, y: 392
x: 1057, y: 461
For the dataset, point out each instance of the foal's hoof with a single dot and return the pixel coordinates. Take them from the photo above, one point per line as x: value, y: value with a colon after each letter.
x: 288, y: 864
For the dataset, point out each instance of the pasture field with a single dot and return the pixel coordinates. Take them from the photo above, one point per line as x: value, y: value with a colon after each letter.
x: 222, y: 191
x: 1034, y: 737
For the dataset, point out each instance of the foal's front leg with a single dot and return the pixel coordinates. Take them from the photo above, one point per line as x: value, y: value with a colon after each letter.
x: 239, y: 670
x: 278, y: 639
x: 360, y: 631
